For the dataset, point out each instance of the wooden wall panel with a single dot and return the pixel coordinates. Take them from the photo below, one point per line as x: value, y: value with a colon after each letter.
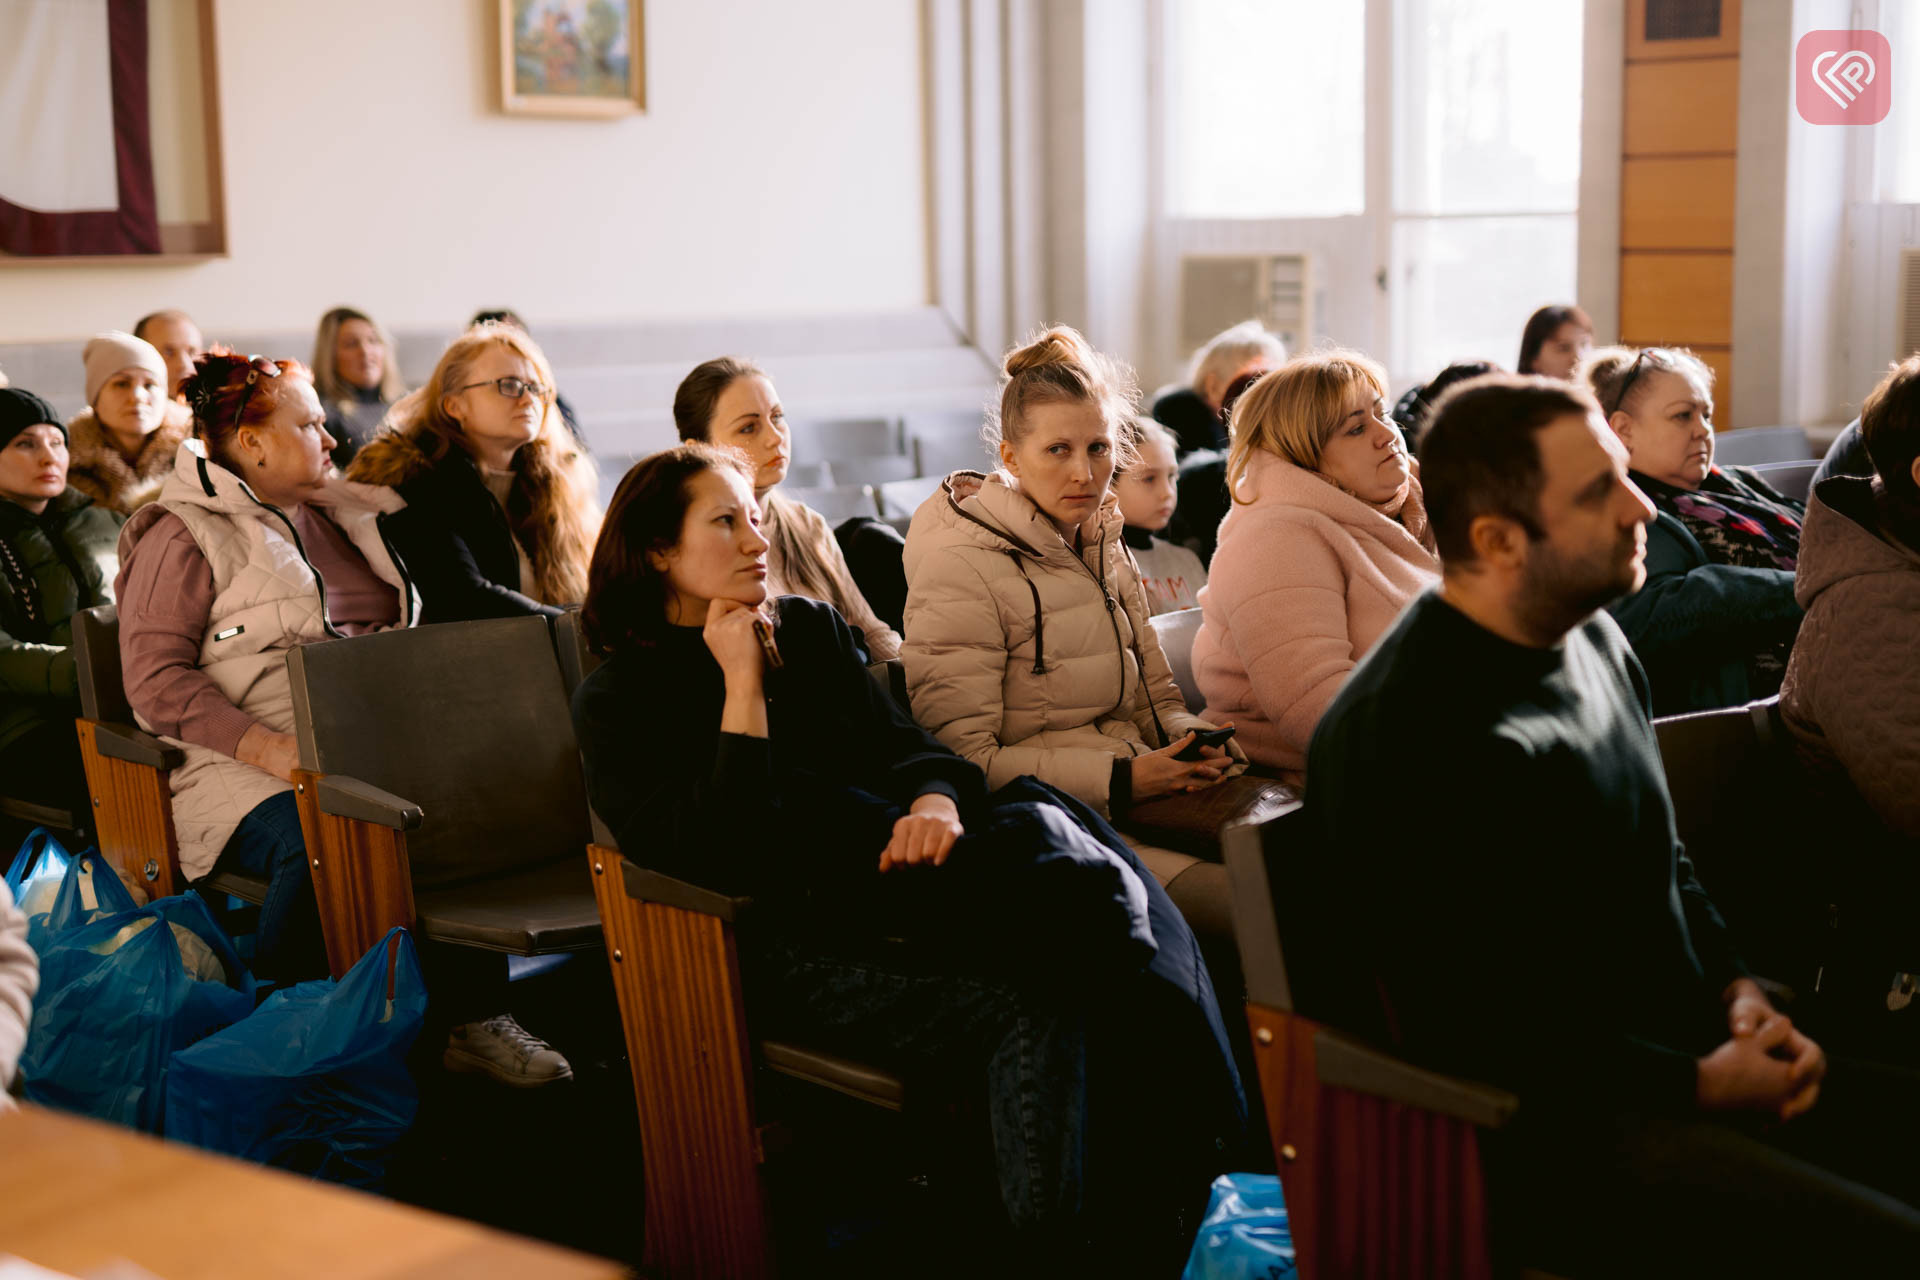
x: 1681, y: 108
x: 1684, y: 203
x: 1639, y: 48
x: 1680, y: 299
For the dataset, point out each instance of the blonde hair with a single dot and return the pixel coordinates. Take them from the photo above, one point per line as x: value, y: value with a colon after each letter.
x: 326, y: 378
x: 1606, y: 372
x: 1294, y: 410
x: 546, y: 508
x: 1228, y: 352
x: 1057, y: 365
x: 1141, y: 429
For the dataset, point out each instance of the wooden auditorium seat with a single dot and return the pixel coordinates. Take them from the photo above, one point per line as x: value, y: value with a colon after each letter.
x: 440, y: 790
x: 127, y: 770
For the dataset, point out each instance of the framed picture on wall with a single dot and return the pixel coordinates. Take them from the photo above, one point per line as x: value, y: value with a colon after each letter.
x: 572, y: 57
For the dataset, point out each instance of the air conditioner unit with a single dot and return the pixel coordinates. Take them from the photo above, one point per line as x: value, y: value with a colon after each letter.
x: 1218, y: 291
x: 1907, y: 325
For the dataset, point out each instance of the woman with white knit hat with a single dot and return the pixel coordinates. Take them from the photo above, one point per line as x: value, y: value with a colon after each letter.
x: 123, y: 442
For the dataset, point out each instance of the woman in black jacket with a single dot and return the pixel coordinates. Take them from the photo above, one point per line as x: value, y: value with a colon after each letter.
x: 740, y: 743
x: 57, y: 557
x: 500, y: 517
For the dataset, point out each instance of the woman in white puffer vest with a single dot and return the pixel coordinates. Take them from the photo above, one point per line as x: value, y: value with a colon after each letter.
x: 254, y: 546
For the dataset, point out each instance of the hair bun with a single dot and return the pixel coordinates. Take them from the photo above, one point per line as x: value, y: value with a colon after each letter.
x: 1058, y: 345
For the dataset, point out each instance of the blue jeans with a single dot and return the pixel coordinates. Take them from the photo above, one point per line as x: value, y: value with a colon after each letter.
x: 268, y: 842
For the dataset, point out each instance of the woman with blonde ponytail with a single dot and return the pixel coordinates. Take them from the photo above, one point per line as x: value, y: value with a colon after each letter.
x: 1027, y: 648
x: 498, y: 522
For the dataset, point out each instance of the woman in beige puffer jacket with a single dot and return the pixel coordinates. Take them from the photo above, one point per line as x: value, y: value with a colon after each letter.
x: 1027, y: 648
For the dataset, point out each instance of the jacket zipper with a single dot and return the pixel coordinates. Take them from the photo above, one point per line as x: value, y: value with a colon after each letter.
x: 406, y: 580
x: 319, y: 582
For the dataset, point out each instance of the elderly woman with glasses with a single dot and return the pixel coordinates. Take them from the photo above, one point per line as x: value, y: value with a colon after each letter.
x: 498, y: 521
x: 1716, y: 619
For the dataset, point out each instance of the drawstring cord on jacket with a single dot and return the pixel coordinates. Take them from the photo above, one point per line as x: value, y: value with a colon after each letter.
x: 1039, y: 616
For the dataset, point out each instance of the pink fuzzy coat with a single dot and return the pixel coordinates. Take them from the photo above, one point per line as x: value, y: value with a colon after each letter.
x: 1306, y: 578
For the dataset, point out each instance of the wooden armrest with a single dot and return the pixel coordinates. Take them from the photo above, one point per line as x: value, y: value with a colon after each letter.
x: 343, y: 797
x: 1346, y: 1063
x: 135, y: 746
x: 657, y: 886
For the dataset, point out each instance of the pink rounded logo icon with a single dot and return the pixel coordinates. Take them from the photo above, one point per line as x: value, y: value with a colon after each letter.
x: 1843, y: 77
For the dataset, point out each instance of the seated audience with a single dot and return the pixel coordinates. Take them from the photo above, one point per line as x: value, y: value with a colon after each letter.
x: 122, y: 444
x: 56, y: 558
x: 178, y: 340
x: 496, y: 524
x: 1025, y: 922
x: 1410, y: 412
x: 875, y: 551
x: 506, y: 315
x: 1028, y: 649
x: 19, y: 979
x: 1671, y: 1120
x: 730, y: 402
x: 1171, y: 575
x: 356, y: 370
x: 1852, y: 691
x: 1195, y: 412
x: 1555, y: 343
x: 1716, y: 618
x: 1326, y: 543
x: 252, y: 547
x: 1846, y: 456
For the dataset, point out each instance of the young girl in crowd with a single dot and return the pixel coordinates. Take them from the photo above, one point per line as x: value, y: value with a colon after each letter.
x: 357, y: 373
x: 1028, y: 649
x: 122, y: 444
x: 497, y: 521
x: 730, y: 402
x: 56, y: 558
x: 1326, y: 542
x: 1025, y: 966
x: 1147, y: 493
x: 1717, y: 617
x: 1554, y: 343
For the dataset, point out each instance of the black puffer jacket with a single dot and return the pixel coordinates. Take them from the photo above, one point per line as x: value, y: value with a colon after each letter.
x: 52, y: 565
x: 453, y: 536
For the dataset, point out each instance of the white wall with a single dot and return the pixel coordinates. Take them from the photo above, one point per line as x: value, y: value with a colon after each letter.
x: 777, y: 170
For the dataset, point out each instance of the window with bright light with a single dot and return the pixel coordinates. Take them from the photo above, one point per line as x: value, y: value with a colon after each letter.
x: 1898, y: 170
x: 1487, y: 174
x: 1267, y: 108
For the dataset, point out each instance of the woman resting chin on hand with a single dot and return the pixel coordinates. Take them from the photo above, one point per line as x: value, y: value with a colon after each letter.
x: 740, y: 743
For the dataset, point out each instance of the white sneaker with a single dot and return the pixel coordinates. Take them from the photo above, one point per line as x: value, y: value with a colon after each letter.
x: 501, y: 1048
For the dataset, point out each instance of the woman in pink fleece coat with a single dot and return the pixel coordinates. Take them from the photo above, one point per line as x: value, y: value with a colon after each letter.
x: 1326, y: 542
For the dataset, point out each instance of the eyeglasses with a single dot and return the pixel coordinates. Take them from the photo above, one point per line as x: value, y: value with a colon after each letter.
x: 258, y: 367
x: 1626, y: 385
x: 512, y: 388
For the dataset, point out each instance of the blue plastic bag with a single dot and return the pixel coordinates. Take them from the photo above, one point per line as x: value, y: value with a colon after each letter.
x: 316, y: 1080
x: 35, y: 873
x: 119, y: 996
x: 1244, y: 1235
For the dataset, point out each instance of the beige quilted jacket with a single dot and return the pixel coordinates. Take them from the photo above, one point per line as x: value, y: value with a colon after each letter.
x: 1023, y: 656
x: 1852, y: 690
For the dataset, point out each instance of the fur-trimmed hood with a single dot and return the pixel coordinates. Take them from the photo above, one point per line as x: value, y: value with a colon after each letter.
x: 96, y: 468
x: 391, y: 458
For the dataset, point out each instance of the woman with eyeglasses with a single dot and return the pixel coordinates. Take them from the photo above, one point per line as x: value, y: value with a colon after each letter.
x: 1716, y: 619
x: 357, y: 373
x: 498, y: 523
x: 1325, y: 543
x: 254, y: 546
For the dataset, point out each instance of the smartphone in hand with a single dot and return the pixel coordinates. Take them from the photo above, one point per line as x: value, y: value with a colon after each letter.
x: 1204, y: 738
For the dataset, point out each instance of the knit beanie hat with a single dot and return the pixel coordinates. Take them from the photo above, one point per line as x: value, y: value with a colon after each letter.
x: 108, y: 353
x: 20, y: 409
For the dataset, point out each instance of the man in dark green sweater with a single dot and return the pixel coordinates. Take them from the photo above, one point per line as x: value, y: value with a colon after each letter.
x: 1536, y: 923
